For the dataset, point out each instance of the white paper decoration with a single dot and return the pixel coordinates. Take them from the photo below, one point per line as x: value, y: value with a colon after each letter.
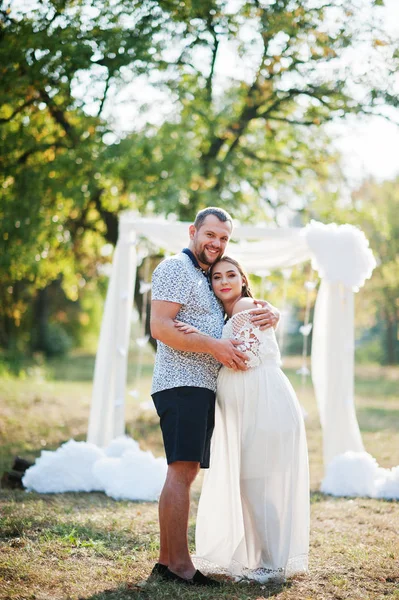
x: 359, y: 474
x: 305, y: 329
x: 68, y: 469
x: 340, y: 253
x: 122, y: 470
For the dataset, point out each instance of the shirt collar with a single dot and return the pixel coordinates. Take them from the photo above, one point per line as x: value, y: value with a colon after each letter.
x: 193, y: 259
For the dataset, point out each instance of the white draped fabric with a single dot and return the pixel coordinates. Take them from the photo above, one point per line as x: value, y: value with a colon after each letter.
x: 256, y: 248
x: 281, y: 251
x: 343, y: 259
x: 333, y: 369
x: 107, y: 413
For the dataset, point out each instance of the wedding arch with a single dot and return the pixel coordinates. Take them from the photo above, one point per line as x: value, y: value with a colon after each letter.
x: 339, y: 253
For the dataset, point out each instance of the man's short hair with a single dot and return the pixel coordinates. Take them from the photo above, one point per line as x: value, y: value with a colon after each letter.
x: 221, y: 214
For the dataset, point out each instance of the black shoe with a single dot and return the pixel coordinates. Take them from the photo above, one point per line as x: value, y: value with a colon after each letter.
x: 198, y: 579
x: 159, y: 570
x: 21, y: 465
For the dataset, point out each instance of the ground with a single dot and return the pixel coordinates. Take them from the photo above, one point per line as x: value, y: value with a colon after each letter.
x: 88, y: 546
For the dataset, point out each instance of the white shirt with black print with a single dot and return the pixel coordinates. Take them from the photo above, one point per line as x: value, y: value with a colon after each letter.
x: 177, y: 279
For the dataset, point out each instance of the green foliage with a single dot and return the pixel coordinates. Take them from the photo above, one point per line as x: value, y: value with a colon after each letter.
x: 82, y: 319
x: 250, y: 140
x: 53, y: 223
x: 260, y: 132
x: 371, y: 351
x: 56, y: 341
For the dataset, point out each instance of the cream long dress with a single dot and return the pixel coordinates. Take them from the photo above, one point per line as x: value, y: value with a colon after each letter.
x: 253, y: 514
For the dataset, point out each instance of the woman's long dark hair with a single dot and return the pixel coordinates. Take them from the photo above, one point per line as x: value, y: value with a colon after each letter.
x: 246, y: 290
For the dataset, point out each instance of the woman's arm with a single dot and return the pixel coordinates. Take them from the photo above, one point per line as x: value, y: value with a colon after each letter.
x: 186, y: 328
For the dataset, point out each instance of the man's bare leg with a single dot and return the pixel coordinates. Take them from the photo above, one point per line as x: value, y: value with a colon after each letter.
x: 174, y: 507
x: 163, y: 537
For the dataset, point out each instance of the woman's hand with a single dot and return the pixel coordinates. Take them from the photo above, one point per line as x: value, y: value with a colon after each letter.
x: 185, y: 328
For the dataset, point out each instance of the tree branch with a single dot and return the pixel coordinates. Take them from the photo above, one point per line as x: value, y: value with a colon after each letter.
x: 107, y: 83
x: 275, y: 161
x: 40, y: 148
x: 250, y: 108
x: 58, y: 115
x: 18, y: 110
x: 291, y: 93
x: 209, y: 81
x: 296, y: 122
x: 110, y: 219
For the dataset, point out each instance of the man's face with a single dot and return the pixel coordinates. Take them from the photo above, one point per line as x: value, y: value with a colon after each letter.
x: 209, y: 241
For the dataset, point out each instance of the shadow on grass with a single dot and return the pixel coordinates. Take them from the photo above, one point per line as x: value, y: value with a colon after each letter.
x: 90, y: 501
x: 152, y: 590
x: 39, y: 517
x: 71, y: 536
x: 375, y: 418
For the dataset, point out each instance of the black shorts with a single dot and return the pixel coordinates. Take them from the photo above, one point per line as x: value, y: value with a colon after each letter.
x: 187, y: 417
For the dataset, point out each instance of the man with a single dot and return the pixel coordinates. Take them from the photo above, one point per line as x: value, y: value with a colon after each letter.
x: 184, y: 382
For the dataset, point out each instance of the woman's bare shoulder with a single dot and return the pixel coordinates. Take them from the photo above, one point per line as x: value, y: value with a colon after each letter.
x: 244, y: 304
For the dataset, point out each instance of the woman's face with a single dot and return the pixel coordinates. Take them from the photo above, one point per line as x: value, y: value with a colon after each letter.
x: 226, y: 281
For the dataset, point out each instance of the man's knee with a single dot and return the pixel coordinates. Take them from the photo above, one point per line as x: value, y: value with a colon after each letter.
x: 184, y: 471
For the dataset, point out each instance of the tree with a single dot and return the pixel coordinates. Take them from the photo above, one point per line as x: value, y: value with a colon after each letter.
x: 56, y: 207
x: 251, y: 141
x: 239, y: 140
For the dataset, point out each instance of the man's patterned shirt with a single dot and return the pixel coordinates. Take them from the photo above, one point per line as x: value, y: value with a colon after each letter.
x: 177, y: 279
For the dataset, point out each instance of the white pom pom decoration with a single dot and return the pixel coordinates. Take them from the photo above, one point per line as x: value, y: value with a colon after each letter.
x: 341, y: 253
x: 68, y: 469
x: 358, y: 474
x: 122, y: 470
x: 133, y: 476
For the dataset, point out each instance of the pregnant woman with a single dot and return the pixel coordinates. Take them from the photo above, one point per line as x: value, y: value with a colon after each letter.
x: 253, y: 514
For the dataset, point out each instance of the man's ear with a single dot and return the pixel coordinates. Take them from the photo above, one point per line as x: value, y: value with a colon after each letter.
x: 192, y: 230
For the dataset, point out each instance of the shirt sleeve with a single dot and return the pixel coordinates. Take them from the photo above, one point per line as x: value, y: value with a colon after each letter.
x: 171, y: 282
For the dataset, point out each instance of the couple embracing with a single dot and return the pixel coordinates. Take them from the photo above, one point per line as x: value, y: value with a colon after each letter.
x: 217, y: 377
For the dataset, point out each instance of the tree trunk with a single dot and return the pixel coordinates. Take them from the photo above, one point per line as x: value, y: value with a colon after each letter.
x: 5, y: 332
x: 391, y: 338
x: 40, y: 320
x: 9, y: 330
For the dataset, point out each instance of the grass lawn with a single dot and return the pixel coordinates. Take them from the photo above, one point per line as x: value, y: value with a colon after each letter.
x: 88, y: 546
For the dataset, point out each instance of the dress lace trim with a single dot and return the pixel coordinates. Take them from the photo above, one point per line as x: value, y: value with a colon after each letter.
x: 296, y: 565
x: 257, y: 346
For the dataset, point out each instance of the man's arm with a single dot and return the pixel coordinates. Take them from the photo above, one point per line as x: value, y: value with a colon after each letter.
x: 265, y: 317
x: 163, y: 329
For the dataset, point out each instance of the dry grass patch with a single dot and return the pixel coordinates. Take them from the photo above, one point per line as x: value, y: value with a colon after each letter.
x: 89, y: 547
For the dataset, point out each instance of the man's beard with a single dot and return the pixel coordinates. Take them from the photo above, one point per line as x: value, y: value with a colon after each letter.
x: 202, y: 258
